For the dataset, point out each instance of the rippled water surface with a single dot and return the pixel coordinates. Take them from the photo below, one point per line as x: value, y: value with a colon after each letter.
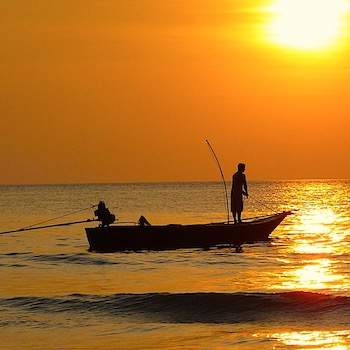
x: 289, y: 293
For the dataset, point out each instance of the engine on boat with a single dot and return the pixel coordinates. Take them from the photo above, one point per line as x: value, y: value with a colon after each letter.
x: 104, y: 215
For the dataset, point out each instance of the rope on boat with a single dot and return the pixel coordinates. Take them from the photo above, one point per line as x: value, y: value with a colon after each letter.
x: 47, y: 226
x: 58, y: 217
x: 36, y: 226
x: 126, y: 222
x: 261, y: 203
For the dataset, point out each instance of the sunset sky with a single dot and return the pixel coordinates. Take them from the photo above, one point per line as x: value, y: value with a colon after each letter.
x: 129, y: 90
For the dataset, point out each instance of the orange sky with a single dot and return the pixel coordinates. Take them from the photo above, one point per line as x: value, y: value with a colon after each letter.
x: 129, y: 90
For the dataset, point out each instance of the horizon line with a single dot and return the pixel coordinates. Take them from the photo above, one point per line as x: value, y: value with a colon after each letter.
x: 160, y: 182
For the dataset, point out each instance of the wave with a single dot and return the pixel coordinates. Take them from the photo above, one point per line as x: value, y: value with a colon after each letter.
x: 24, y: 259
x: 196, y: 307
x: 78, y: 258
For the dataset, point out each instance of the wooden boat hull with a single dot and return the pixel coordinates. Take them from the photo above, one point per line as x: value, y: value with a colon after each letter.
x: 124, y: 238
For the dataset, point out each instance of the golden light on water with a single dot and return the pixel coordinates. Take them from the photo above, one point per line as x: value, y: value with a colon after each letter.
x: 319, y: 243
x: 307, y: 24
x: 318, y: 232
x: 317, y: 221
x: 316, y: 246
x: 310, y: 248
x: 317, y: 237
x: 334, y: 340
x: 314, y: 275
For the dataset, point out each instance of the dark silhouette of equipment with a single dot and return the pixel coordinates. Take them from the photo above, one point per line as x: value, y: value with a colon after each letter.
x: 104, y: 215
x: 143, y: 221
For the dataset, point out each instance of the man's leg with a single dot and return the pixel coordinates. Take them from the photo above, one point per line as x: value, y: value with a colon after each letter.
x: 234, y: 217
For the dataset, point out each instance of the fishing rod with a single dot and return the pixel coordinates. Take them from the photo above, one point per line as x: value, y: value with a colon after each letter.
x: 223, y: 179
x: 47, y: 226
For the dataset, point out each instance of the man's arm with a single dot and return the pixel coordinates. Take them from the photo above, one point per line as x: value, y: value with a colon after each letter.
x: 245, y: 187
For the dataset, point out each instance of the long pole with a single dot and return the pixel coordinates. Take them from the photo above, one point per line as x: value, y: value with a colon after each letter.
x: 223, y: 179
x: 47, y: 226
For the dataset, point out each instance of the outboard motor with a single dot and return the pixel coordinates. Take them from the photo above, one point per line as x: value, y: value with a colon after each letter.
x: 104, y: 215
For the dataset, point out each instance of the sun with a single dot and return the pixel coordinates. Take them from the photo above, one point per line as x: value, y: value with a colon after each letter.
x: 307, y: 24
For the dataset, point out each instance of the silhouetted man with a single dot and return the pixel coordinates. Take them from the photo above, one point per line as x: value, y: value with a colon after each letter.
x: 239, y: 188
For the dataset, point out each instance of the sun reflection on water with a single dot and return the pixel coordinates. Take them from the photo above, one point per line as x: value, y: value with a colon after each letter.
x: 314, y: 275
x: 318, y: 220
x: 335, y: 340
x: 317, y: 242
x: 318, y: 233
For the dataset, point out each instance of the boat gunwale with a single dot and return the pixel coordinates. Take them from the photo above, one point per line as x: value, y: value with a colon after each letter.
x: 251, y: 221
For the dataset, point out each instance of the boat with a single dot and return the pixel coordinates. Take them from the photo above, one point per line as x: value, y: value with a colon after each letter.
x: 143, y: 236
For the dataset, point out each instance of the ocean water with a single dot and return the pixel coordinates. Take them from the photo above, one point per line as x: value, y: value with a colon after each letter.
x: 292, y: 292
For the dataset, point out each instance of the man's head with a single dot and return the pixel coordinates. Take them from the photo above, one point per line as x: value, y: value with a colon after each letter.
x: 241, y: 167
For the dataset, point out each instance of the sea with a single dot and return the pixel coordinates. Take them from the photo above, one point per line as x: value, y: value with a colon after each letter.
x: 292, y: 292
